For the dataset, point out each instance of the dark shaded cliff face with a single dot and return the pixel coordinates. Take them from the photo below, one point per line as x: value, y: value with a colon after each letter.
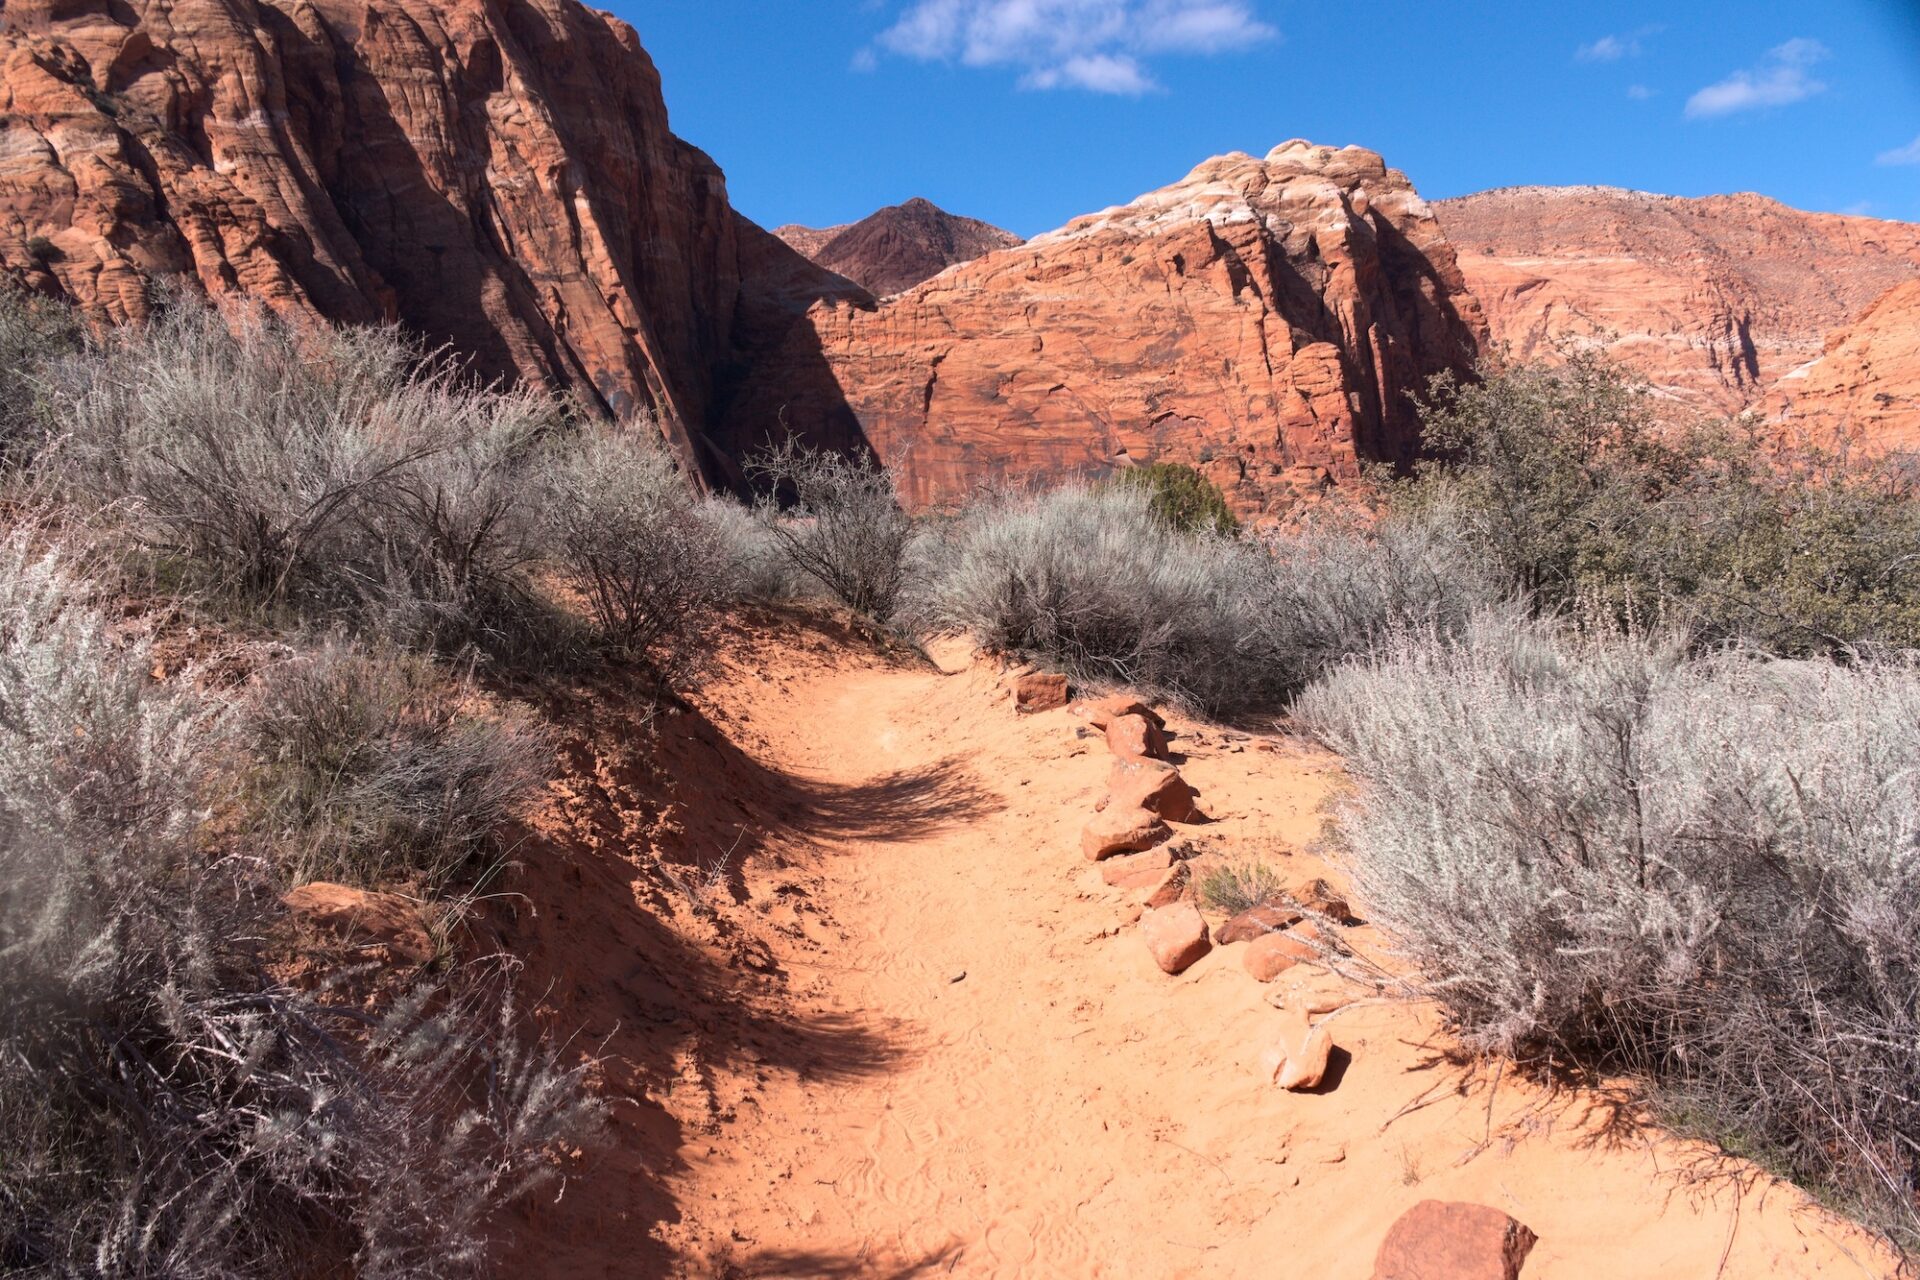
x: 1264, y: 320
x: 496, y: 174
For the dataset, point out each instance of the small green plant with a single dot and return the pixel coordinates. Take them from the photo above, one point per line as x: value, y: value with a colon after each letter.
x: 43, y: 250
x: 1234, y: 887
x: 1182, y: 497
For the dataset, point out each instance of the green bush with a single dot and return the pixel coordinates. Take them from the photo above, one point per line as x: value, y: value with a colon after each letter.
x: 1186, y: 500
x: 1587, y: 502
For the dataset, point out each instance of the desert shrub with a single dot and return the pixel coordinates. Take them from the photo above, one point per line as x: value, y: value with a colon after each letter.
x: 1597, y: 850
x: 1584, y: 500
x: 1234, y: 887
x: 626, y: 525
x: 837, y: 519
x: 754, y: 563
x: 169, y: 1110
x: 34, y: 333
x: 1338, y: 586
x: 370, y: 768
x: 1092, y: 579
x: 1181, y: 496
x: 332, y: 470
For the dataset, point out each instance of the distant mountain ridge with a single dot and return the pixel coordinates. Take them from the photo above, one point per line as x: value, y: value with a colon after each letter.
x: 898, y: 247
x: 1714, y: 299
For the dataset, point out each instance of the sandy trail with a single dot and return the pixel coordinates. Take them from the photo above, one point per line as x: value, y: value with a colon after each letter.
x: 1012, y: 1088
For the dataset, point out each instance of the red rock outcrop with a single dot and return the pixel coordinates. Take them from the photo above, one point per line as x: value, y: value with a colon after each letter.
x: 499, y: 176
x: 1712, y: 300
x: 1866, y: 386
x: 1263, y: 319
x: 898, y: 247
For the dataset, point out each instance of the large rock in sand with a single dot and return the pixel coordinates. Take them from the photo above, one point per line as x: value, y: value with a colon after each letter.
x: 1155, y: 786
x: 1118, y: 829
x: 1257, y: 922
x: 1101, y: 712
x: 1136, y: 738
x: 1442, y: 1240
x: 1176, y: 935
x: 1040, y: 691
x: 1272, y: 954
x: 1301, y: 1055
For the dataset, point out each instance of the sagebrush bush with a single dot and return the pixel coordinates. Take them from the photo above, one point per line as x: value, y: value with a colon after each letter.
x: 837, y: 519
x: 34, y: 333
x: 332, y: 470
x: 371, y: 768
x: 1181, y: 496
x: 754, y: 563
x: 169, y: 1109
x: 625, y: 525
x: 1705, y: 871
x: 1094, y: 580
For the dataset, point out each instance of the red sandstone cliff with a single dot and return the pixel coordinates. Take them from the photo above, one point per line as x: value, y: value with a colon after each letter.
x: 1866, y: 386
x: 498, y: 175
x: 898, y: 247
x: 1263, y: 318
x: 1712, y: 300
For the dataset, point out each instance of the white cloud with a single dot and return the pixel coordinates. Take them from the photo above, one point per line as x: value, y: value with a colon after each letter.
x: 1612, y: 48
x: 1909, y: 154
x: 1606, y: 49
x: 1099, y: 45
x: 1783, y: 77
x: 1641, y: 93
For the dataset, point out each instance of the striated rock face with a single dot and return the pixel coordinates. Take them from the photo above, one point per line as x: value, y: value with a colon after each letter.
x: 898, y: 247
x: 1263, y: 319
x: 1866, y: 385
x: 1712, y: 300
x: 498, y: 174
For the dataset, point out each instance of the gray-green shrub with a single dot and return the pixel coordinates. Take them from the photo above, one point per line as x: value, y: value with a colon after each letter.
x: 169, y: 1109
x: 368, y: 768
x: 332, y: 470
x: 627, y: 527
x: 837, y: 519
x: 1095, y: 580
x: 1705, y: 871
x: 34, y: 333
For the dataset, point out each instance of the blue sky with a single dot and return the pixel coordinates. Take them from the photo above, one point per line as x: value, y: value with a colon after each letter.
x: 1027, y: 112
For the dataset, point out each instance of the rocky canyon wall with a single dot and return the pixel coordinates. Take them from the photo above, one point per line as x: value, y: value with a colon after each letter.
x: 1714, y: 301
x: 498, y: 175
x: 1263, y: 319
